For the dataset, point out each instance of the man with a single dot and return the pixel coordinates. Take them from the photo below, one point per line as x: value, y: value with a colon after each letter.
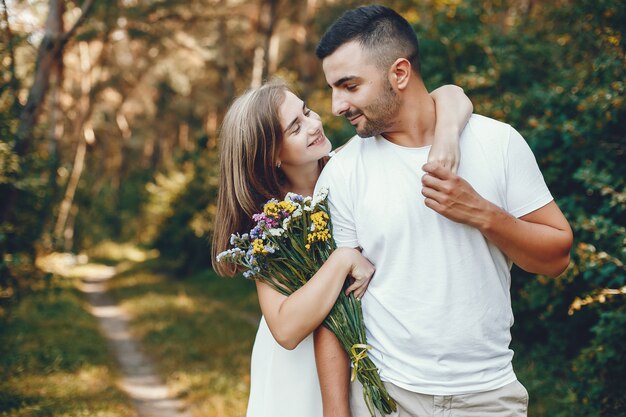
x: 438, y: 311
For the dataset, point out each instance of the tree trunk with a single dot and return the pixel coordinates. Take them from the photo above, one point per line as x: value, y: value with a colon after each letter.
x: 84, y: 134
x: 56, y: 119
x: 68, y: 233
x: 267, y: 22
x: 49, y: 54
x: 307, y: 61
x: 225, y: 62
x: 70, y: 192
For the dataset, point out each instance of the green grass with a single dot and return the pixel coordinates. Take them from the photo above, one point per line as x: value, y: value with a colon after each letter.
x: 53, y: 361
x: 199, y: 331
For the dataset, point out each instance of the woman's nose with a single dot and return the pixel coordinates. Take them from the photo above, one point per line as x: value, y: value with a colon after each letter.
x: 314, y: 126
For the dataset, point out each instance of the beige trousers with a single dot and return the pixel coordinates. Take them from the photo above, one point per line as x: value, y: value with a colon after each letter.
x: 509, y: 401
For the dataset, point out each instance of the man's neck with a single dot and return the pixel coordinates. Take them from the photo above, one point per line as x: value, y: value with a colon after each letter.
x: 415, y: 123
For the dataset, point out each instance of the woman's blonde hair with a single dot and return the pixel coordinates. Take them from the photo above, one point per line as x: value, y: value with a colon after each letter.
x: 250, y: 141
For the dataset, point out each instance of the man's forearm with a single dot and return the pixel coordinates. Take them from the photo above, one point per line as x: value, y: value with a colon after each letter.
x: 528, y: 241
x: 333, y: 369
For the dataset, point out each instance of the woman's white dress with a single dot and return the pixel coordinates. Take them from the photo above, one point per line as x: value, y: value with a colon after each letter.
x: 283, y: 383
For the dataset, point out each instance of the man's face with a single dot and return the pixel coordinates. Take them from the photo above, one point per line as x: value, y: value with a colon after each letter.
x: 361, y: 90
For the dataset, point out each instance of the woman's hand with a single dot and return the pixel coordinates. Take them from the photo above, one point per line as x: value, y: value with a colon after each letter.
x: 361, y: 272
x: 445, y: 149
x: 453, y: 109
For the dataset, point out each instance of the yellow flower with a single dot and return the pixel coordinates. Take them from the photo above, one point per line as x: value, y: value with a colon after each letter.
x: 320, y: 220
x: 324, y: 235
x: 286, y: 206
x: 258, y: 248
x: 271, y: 209
x: 320, y: 235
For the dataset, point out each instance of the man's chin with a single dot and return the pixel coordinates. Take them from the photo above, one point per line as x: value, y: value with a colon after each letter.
x: 366, y: 133
x: 371, y: 128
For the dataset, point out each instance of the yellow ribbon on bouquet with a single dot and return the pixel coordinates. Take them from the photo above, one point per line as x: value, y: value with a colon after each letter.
x: 357, y: 356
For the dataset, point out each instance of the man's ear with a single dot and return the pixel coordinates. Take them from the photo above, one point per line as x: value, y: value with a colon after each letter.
x: 400, y: 73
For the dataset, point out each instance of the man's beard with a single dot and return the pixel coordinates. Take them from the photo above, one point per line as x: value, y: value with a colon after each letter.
x: 380, y: 114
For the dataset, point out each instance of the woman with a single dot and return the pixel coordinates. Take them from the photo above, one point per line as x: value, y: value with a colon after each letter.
x: 271, y: 144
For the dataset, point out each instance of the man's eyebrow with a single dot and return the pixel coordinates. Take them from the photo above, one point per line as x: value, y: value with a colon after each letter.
x: 293, y: 122
x: 344, y: 79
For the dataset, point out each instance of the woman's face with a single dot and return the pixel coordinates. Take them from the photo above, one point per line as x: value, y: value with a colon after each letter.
x: 304, y: 141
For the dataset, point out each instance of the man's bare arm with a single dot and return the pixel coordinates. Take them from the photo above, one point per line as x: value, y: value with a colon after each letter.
x: 333, y: 369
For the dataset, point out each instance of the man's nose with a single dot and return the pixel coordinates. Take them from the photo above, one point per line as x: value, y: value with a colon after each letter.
x: 339, y: 105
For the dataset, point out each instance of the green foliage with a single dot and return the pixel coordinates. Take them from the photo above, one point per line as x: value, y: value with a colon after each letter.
x: 113, y: 212
x: 185, y: 229
x: 23, y: 214
x: 601, y: 366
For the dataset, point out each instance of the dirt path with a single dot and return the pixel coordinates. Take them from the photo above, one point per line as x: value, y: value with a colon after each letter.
x: 147, y: 391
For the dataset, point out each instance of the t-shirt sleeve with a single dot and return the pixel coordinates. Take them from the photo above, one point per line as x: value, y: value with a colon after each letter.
x: 526, y: 190
x: 341, y: 213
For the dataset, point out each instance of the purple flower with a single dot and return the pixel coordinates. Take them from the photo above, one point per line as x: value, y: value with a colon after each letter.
x: 265, y: 221
x: 296, y: 198
x: 256, y: 232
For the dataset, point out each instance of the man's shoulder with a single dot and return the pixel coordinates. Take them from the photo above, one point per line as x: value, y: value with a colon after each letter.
x: 483, y: 124
x: 348, y: 152
x: 345, y: 145
x: 342, y: 164
x: 485, y: 131
x: 353, y: 146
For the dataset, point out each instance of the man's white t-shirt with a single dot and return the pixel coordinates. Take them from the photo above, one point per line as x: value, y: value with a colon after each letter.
x: 437, y: 311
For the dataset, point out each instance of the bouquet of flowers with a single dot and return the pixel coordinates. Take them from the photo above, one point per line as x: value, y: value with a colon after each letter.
x: 290, y: 240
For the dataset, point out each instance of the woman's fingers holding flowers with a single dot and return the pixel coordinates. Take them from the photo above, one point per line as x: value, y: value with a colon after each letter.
x: 361, y: 272
x: 358, y: 288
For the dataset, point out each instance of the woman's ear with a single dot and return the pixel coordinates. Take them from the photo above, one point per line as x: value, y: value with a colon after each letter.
x: 400, y: 73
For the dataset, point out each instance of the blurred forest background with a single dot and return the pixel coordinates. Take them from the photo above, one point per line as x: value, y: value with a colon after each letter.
x: 110, y: 110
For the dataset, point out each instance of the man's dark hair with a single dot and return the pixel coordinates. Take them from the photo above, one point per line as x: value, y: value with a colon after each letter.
x: 381, y: 31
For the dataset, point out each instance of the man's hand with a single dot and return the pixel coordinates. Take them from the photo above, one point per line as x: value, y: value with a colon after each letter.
x: 453, y: 197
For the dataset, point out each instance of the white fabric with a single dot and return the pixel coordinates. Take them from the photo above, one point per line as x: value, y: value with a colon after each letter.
x: 283, y: 383
x: 437, y: 311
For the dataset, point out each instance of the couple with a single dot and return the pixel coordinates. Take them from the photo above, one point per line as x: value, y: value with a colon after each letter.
x: 438, y: 311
